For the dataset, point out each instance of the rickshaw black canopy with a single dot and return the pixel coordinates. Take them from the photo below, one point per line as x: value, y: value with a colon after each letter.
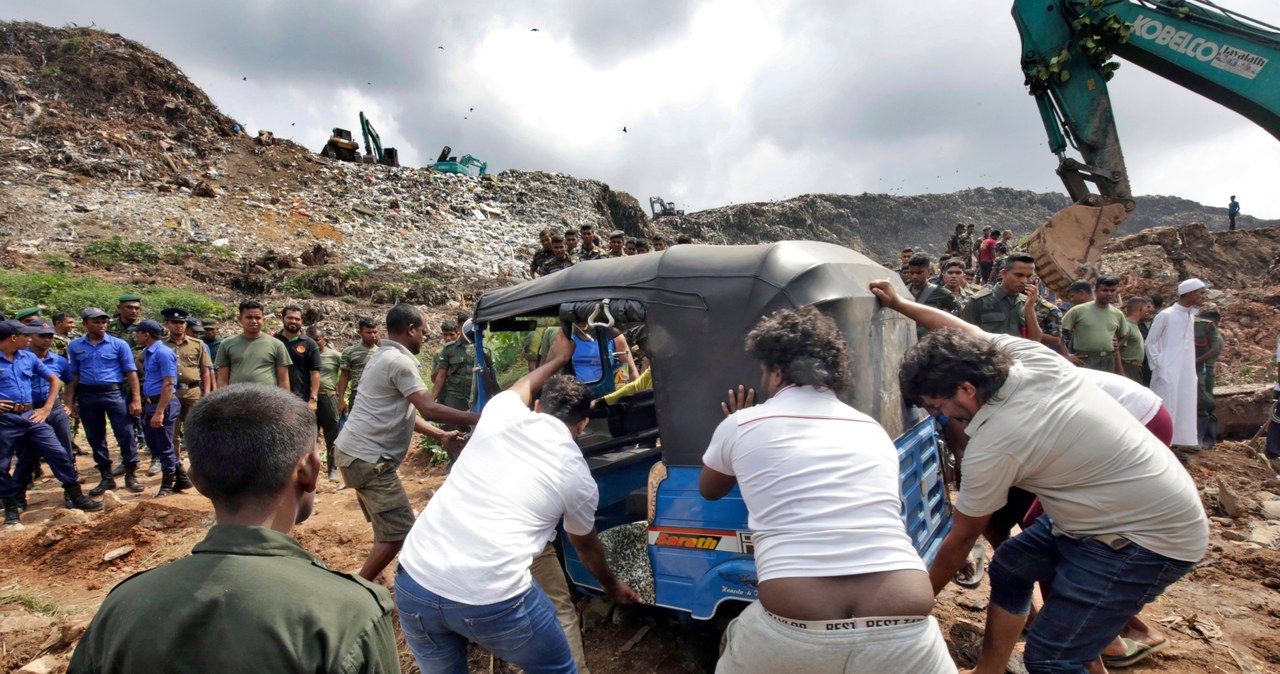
x: 700, y: 302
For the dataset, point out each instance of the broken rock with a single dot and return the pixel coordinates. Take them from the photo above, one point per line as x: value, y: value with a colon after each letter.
x: 45, y: 664
x: 110, y: 501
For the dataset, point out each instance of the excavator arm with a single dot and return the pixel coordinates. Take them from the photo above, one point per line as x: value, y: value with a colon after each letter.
x: 1066, y: 44
x: 372, y: 142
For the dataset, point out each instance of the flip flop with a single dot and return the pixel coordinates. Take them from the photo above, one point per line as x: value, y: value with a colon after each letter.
x: 978, y: 557
x: 1134, y: 653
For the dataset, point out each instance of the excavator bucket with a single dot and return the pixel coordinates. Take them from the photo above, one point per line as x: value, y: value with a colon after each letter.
x: 1068, y: 246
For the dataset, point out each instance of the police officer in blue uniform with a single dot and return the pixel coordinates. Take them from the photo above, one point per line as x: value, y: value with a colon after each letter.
x: 160, y: 408
x: 22, y: 427
x: 42, y: 334
x: 102, y: 374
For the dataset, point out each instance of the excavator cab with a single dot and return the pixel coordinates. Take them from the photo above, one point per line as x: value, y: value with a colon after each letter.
x: 447, y: 163
x: 341, y: 146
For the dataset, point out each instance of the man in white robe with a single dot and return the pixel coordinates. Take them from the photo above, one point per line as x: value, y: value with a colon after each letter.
x: 1171, y: 352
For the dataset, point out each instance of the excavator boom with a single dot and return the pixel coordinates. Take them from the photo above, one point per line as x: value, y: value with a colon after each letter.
x: 1065, y: 48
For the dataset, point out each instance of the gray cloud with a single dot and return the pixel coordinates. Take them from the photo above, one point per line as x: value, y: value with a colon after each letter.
x: 873, y: 95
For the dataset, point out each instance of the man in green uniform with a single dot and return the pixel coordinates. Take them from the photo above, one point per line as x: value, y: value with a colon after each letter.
x: 1003, y: 309
x: 617, y: 244
x: 560, y: 257
x: 571, y: 242
x: 543, y: 254
x: 354, y: 358
x: 1095, y: 330
x: 327, y: 406
x: 924, y: 292
x: 211, y: 338
x: 253, y: 356
x: 195, y: 374
x: 451, y: 373
x: 128, y: 314
x: 589, y: 249
x: 28, y: 316
x: 64, y: 330
x: 1133, y: 355
x: 239, y: 602
x: 1208, y: 348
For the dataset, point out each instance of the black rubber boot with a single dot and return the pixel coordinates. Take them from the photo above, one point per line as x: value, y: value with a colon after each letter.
x: 180, y: 480
x: 11, y: 513
x: 166, y: 485
x: 105, y: 485
x: 78, y: 500
x: 131, y: 479
x: 22, y: 497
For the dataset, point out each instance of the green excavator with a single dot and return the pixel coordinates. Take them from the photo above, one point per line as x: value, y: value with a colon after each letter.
x: 1066, y: 50
x: 450, y: 164
x: 342, y: 146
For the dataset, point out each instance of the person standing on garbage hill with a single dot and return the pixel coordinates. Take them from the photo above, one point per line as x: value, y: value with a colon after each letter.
x: 102, y: 372
x: 1171, y: 351
x: 617, y: 244
x: 249, y: 598
x: 354, y: 358
x: 128, y: 313
x: 589, y: 249
x: 376, y: 436
x: 1233, y: 210
x: 160, y: 409
x: 327, y: 406
x: 1209, y: 345
x: 1096, y: 329
x: 1273, y: 424
x: 453, y: 370
x: 560, y: 257
x: 543, y: 254
x: 41, y: 345
x: 1133, y: 355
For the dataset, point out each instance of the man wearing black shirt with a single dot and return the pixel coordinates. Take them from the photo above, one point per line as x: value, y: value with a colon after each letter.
x: 304, y: 354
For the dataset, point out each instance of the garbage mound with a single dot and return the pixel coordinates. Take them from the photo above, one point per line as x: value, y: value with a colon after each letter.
x: 95, y: 103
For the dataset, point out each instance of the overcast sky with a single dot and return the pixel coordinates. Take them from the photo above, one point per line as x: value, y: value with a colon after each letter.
x: 724, y: 101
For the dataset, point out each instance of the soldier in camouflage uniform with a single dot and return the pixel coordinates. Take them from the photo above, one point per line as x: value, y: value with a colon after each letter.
x: 926, y: 293
x: 543, y: 254
x: 560, y: 259
x: 1209, y: 345
x: 64, y: 330
x: 571, y: 242
x: 1049, y: 316
x: 590, y: 249
x: 351, y: 367
x: 128, y: 314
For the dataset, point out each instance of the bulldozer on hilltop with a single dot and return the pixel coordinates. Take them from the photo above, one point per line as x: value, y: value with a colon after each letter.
x: 343, y: 146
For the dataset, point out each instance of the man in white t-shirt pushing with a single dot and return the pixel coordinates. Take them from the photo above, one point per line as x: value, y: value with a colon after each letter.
x: 1123, y: 519
x: 841, y: 587
x: 464, y: 570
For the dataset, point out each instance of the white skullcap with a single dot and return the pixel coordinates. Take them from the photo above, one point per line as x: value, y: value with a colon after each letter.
x: 1191, y: 285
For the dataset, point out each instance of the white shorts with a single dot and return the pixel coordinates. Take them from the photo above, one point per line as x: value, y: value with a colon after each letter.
x: 757, y: 643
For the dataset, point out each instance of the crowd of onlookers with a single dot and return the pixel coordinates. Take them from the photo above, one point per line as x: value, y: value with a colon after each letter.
x: 561, y: 250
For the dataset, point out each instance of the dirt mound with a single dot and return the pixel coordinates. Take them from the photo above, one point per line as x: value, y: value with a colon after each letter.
x: 1245, y: 286
x: 76, y: 547
x: 95, y: 103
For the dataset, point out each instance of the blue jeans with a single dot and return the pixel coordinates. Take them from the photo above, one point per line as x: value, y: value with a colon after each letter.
x: 522, y: 630
x: 1095, y: 590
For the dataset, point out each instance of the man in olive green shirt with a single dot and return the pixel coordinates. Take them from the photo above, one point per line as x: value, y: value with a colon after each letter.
x: 1209, y: 343
x: 451, y: 373
x: 1133, y: 353
x: 926, y: 293
x: 1097, y: 329
x: 1004, y: 310
x: 327, y: 405
x: 253, y: 357
x: 354, y: 358
x: 249, y: 598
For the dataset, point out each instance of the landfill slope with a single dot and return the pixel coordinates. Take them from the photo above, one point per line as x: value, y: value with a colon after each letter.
x: 881, y: 225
